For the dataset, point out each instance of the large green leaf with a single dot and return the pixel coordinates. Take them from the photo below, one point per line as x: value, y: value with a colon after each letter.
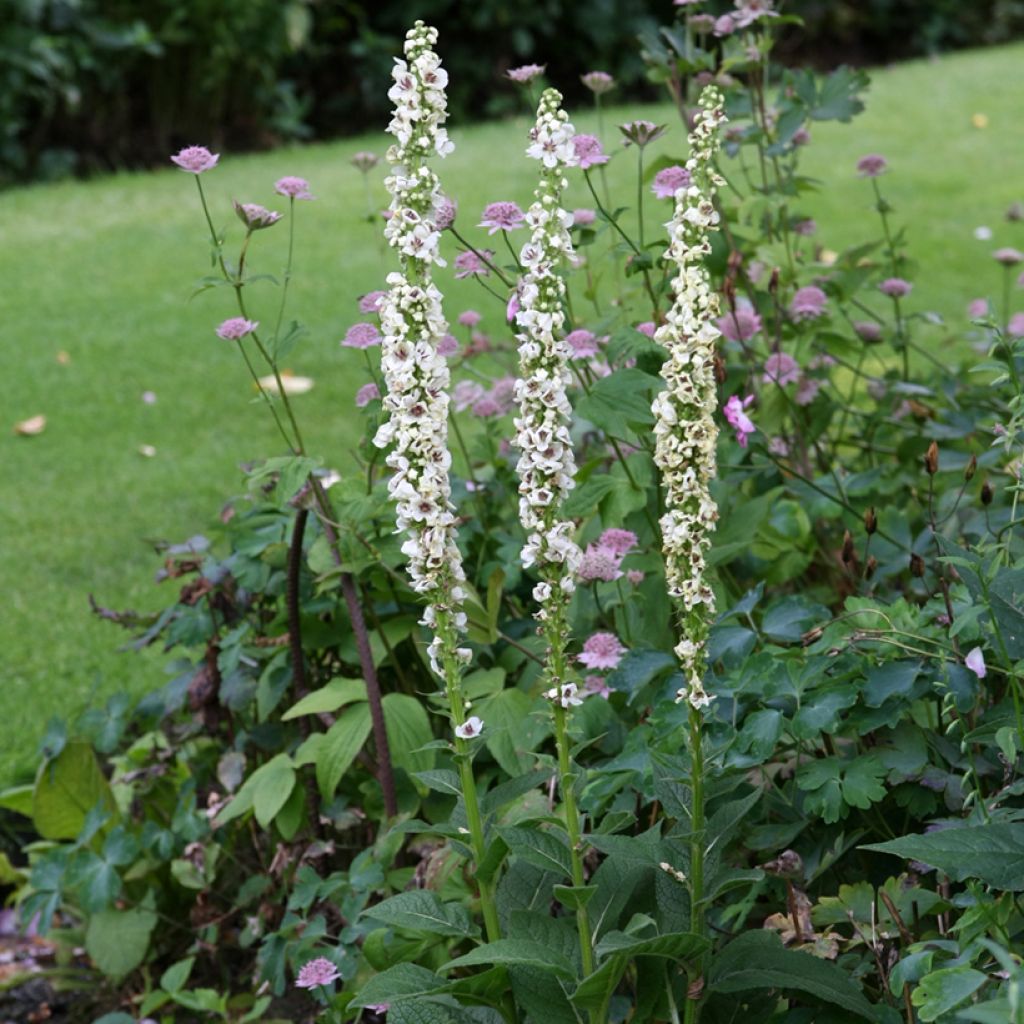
x: 758, y: 960
x: 117, y: 940
x: 545, y: 849
x: 941, y: 991
x: 403, y: 981
x: 67, y: 788
x: 341, y: 743
x: 422, y: 911
x: 992, y: 853
x: 336, y: 694
x: 408, y: 729
x: 516, y: 952
x: 620, y: 402
x: 265, y: 791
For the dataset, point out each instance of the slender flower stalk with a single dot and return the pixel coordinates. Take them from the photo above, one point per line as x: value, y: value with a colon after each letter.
x: 417, y: 400
x: 685, y: 435
x: 546, y: 465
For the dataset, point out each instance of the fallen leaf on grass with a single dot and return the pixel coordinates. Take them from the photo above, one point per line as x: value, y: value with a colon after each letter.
x: 292, y: 384
x: 30, y: 427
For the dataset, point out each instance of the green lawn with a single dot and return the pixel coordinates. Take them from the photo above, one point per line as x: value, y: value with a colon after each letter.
x: 103, y: 271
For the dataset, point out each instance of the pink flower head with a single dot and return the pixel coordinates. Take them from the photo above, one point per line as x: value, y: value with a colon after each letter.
x: 469, y: 318
x: 597, y: 686
x: 583, y: 217
x: 366, y: 394
x: 293, y: 188
x: 526, y: 73
x: 236, y: 327
x: 1008, y: 257
x: 868, y: 330
x: 781, y: 368
x: 583, y: 344
x: 600, y: 562
x: 895, y: 287
x: 805, y: 228
x: 648, y: 327
x: 975, y: 661
x: 195, y: 159
x: 447, y: 345
x: 1015, y: 328
x: 725, y: 25
x: 365, y: 161
x: 738, y: 419
x: 598, y: 82
x: 602, y: 650
x: 502, y: 216
x: 635, y: 576
x: 620, y: 541
x: 588, y: 151
x: 445, y: 213
x: 872, y: 165
x: 807, y: 390
x: 470, y: 729
x: 254, y: 216
x: 370, y: 302
x: 808, y: 303
x: 468, y: 263
x: 465, y: 393
x: 801, y: 137
x: 641, y: 132
x: 669, y: 181
x: 316, y: 973
x: 977, y: 308
x: 362, y: 335
x: 749, y: 11
x: 741, y: 324
x: 702, y: 23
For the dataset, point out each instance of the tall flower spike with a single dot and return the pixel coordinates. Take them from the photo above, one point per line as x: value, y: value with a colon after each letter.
x: 685, y: 430
x: 547, y: 466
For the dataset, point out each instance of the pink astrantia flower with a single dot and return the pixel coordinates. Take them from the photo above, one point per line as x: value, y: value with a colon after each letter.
x: 602, y: 650
x: 738, y: 419
x: 362, y: 335
x: 502, y: 216
x: 805, y: 228
x: 468, y: 263
x: 669, y: 181
x: 801, y: 137
x: 465, y: 393
x: 597, y: 686
x: 471, y: 728
x: 583, y: 343
x: 872, y: 165
x: 365, y: 161
x: 445, y: 213
x: 868, y: 331
x: 725, y: 25
x: 236, y: 327
x: 469, y: 318
x: 895, y: 287
x: 702, y: 23
x: 749, y: 11
x: 807, y: 390
x: 635, y: 576
x: 366, y: 394
x: 641, y: 132
x: 447, y: 345
x: 583, y: 217
x: 316, y: 973
x: 781, y: 368
x: 808, y: 303
x: 975, y: 661
x: 588, y: 151
x: 620, y: 541
x: 254, y: 216
x: 195, y: 159
x: 600, y: 562
x: 741, y: 324
x: 526, y: 73
x: 1015, y: 328
x: 598, y: 82
x: 293, y: 188
x: 370, y: 302
x: 977, y: 308
x: 648, y: 328
x: 1008, y: 257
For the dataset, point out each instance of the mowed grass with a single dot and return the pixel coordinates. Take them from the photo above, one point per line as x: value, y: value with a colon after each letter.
x: 103, y: 271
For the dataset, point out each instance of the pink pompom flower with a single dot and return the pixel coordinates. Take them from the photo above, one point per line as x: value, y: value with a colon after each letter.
x: 366, y: 394
x: 469, y: 318
x: 195, y: 159
x: 447, y: 345
x: 236, y: 327
x: 588, y: 151
x: 641, y: 132
x: 468, y: 264
x: 741, y: 324
x: 598, y: 82
x: 293, y: 188
x: 254, y: 216
x: 977, y: 308
x: 583, y: 217
x: 895, y: 287
x: 361, y: 335
x: 781, y: 368
x: 808, y: 303
x: 668, y: 181
x: 1008, y: 256
x: 600, y: 562
x: 868, y: 330
x: 503, y: 216
x: 526, y: 73
x: 620, y: 541
x: 602, y: 650
x: 1015, y: 328
x: 872, y: 165
x: 583, y: 343
x: 648, y: 327
x: 316, y: 973
x: 370, y: 302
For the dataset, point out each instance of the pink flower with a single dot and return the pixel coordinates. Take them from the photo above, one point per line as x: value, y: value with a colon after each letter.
x: 781, y: 368
x: 620, y: 541
x: 195, y: 159
x: 370, y: 302
x: 589, y: 151
x: 316, y: 973
x: 738, y: 419
x: 778, y: 446
x: 365, y: 161
x: 583, y: 217
x: 749, y: 11
x: 669, y: 181
x: 502, y: 216
x: 895, y: 287
x: 648, y: 328
x: 740, y: 325
x: 600, y: 562
x: 725, y: 25
x: 1015, y: 328
x: 868, y: 331
x: 597, y: 686
x: 469, y: 318
x: 872, y: 165
x: 445, y: 212
x: 362, y: 335
x: 808, y: 303
x: 805, y: 228
x: 583, y: 344
x: 254, y: 216
x: 641, y: 132
x: 1008, y: 257
x: 598, y: 82
x: 702, y: 23
x: 366, y: 394
x: 469, y: 729
x: 293, y: 188
x: 635, y: 576
x: 975, y: 661
x: 977, y: 308
x: 602, y: 650
x: 807, y: 390
x: 801, y: 137
x: 526, y: 73
x: 236, y: 327
x: 447, y: 345
x: 468, y: 263
x: 465, y: 393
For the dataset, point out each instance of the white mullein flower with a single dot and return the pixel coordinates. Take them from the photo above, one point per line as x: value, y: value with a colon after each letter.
x: 547, y: 466
x: 684, y: 413
x: 417, y: 378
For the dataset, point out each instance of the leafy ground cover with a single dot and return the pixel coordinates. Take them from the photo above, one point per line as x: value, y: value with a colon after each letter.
x: 101, y: 272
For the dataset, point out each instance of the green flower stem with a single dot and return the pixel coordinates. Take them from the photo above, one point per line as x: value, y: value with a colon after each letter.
x: 482, y: 258
x: 698, y: 924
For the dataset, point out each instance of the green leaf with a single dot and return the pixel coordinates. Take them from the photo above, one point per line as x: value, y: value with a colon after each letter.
x: 18, y: 799
x: 265, y: 792
x: 67, y: 788
x: 544, y: 849
x: 787, y: 620
x: 619, y: 402
x: 97, y: 882
x: 893, y: 679
x: 517, y: 952
x: 341, y: 743
x: 422, y: 911
x: 758, y: 960
x: 118, y: 940
x: 761, y: 730
x: 336, y: 694
x: 174, y: 978
x: 640, y: 668
x: 941, y: 991
x: 403, y: 981
x: 408, y: 729
x: 574, y: 897
x: 512, y: 733
x: 992, y: 853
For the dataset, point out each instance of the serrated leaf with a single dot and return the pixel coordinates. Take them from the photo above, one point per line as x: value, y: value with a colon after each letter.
x: 403, y: 981
x: 544, y: 849
x: 421, y: 910
x: 620, y: 402
x: 516, y: 952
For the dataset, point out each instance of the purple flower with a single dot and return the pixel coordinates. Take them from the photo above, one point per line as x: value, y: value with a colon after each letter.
x: 195, y: 159
x: 293, y: 188
x: 469, y: 318
x: 620, y: 541
x: 807, y: 390
x: 648, y: 328
x: 365, y: 161
x: 236, y: 327
x: 641, y: 132
x: 583, y: 344
x: 465, y: 393
x: 602, y: 650
x: 502, y: 216
x: 583, y: 217
x: 895, y: 287
x: 977, y: 308
x: 808, y: 303
x: 597, y: 686
x: 781, y: 368
x: 738, y: 419
x: 805, y: 228
x: 669, y: 181
x: 468, y: 263
x: 588, y: 151
x: 366, y: 394
x: 975, y: 661
x: 801, y: 137
x: 635, y: 576
x: 445, y: 212
x: 1015, y: 328
x: 316, y: 973
x: 1008, y: 257
x: 741, y: 324
x: 370, y: 302
x: 526, y: 73
x: 725, y: 25
x: 447, y: 345
x: 362, y: 335
x: 600, y: 562
x: 254, y: 216
x: 868, y: 330
x: 872, y: 165
x: 598, y: 82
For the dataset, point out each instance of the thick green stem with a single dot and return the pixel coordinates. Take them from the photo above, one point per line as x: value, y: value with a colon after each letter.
x: 697, y: 910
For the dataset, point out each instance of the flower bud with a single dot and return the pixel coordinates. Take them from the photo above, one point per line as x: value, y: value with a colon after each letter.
x: 870, y: 521
x: 870, y: 567
x: 916, y: 565
x: 987, y: 494
x: 970, y: 468
x: 773, y: 281
x: 931, y: 459
x: 848, y: 553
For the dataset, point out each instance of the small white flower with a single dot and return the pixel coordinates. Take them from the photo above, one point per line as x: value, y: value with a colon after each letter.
x: 983, y: 233
x: 471, y: 728
x: 975, y: 661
